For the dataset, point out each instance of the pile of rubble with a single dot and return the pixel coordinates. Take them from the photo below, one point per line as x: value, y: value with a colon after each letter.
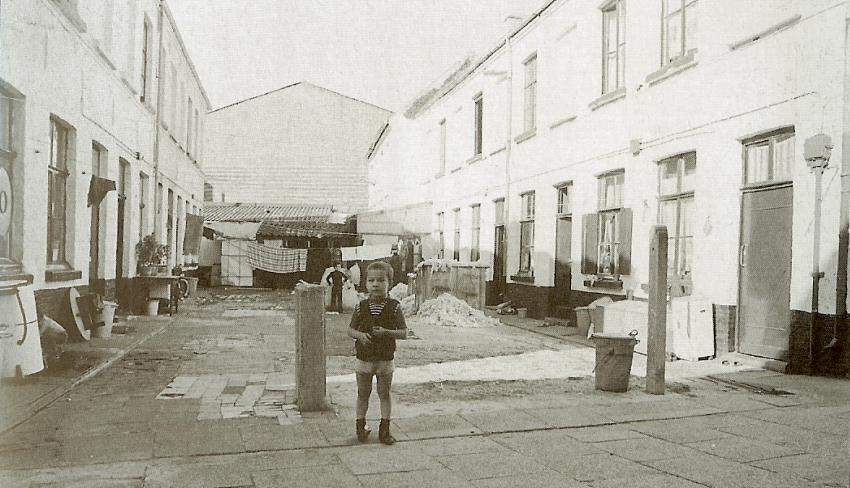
x: 449, y: 311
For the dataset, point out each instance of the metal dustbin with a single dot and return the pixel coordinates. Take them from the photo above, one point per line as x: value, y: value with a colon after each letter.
x: 613, y: 360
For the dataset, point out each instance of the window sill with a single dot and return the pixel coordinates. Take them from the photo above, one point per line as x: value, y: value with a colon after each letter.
x: 439, y: 175
x: 62, y: 275
x: 604, y: 283
x: 474, y: 159
x: 563, y: 121
x: 14, y: 274
x: 455, y: 170
x: 607, y: 98
x: 522, y: 278
x: 672, y: 69
x: 497, y: 151
x: 525, y: 136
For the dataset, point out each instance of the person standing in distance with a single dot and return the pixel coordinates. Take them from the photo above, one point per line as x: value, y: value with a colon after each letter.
x: 375, y: 326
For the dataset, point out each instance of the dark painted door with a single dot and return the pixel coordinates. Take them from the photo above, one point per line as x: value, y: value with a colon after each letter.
x: 499, y: 261
x: 563, y: 261
x: 764, y: 260
x: 119, y: 240
x: 94, y: 246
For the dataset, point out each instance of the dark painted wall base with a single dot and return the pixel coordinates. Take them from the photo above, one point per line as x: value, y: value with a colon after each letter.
x: 815, y: 348
x: 535, y: 298
x: 725, y: 328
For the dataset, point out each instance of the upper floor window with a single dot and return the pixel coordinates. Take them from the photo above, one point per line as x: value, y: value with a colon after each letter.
x: 613, y: 46
x: 147, y: 48
x: 564, y: 206
x: 500, y: 212
x: 442, y: 170
x: 769, y: 158
x: 479, y: 124
x: 526, y: 234
x: 679, y: 29
x: 189, y: 126
x: 530, y: 95
x: 61, y: 147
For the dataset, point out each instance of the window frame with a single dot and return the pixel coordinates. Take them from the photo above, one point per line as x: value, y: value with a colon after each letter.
x: 441, y: 221
x: 478, y: 105
x: 475, y: 245
x: 564, y: 199
x: 609, y: 212
x: 456, y: 242
x: 143, y: 192
x: 530, y: 94
x: 769, y: 139
x: 526, y: 248
x: 57, y: 220
x: 683, y: 51
x: 615, y: 8
x: 681, y: 195
x: 442, y: 148
x: 8, y: 160
x: 147, y: 64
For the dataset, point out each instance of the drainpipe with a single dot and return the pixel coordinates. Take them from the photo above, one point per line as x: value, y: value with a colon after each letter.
x: 817, y: 151
x: 158, y: 119
x: 508, y: 144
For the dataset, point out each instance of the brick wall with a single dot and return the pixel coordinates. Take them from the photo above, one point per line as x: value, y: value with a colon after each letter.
x: 725, y: 331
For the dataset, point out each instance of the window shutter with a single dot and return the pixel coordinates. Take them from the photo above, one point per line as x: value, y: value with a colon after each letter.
x: 625, y: 239
x: 590, y: 227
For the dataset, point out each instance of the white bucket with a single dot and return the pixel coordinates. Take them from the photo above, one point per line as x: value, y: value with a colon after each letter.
x: 193, y: 286
x: 153, y: 307
x: 107, y: 316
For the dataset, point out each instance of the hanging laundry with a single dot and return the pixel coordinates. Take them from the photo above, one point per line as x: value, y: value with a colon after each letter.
x: 276, y: 259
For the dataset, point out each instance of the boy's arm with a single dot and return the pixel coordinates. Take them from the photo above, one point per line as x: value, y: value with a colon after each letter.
x: 400, y: 331
x: 352, y: 327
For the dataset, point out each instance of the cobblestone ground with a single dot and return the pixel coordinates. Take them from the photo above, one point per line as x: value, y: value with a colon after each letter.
x: 205, y: 399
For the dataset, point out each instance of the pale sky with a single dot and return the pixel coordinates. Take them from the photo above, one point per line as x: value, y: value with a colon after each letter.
x: 384, y: 52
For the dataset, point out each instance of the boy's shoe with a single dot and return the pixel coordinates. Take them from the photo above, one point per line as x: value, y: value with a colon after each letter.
x: 384, y: 433
x: 362, y: 431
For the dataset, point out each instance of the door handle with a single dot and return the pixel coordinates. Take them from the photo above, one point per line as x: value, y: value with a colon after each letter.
x: 742, y: 258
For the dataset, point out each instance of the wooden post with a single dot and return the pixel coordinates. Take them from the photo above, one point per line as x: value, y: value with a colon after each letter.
x: 656, y: 346
x: 310, y: 348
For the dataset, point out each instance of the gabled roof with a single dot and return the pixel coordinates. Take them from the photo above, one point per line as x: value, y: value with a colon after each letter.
x: 303, y: 84
x: 260, y: 212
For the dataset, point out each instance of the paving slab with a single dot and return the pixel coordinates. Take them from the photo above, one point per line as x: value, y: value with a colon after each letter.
x: 826, y: 468
x: 459, y: 445
x: 435, y: 426
x: 197, y: 475
x: 678, y: 430
x: 717, y: 472
x: 786, y: 435
x: 647, y: 481
x: 297, y: 436
x: 742, y: 449
x: 489, y: 464
x: 504, y: 421
x: 545, y: 444
x: 377, y: 458
x: 107, y: 448
x: 573, y: 416
x: 600, y: 466
x: 199, y: 439
x: 645, y: 449
x: 310, y: 477
x: 438, y: 478
x: 543, y: 479
x: 603, y: 433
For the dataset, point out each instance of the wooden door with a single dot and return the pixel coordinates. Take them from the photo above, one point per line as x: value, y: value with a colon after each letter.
x: 563, y: 263
x: 499, y: 261
x: 764, y: 261
x: 119, y: 239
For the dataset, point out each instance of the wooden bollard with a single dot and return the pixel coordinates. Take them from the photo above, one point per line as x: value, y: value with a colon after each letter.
x: 310, y: 347
x: 656, y: 345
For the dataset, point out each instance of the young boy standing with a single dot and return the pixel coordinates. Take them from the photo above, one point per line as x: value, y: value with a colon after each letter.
x: 376, y: 324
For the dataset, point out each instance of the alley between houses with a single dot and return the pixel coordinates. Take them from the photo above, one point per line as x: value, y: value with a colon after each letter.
x: 206, y: 398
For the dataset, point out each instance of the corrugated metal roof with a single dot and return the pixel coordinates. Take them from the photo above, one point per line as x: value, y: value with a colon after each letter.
x: 259, y: 212
x: 304, y: 229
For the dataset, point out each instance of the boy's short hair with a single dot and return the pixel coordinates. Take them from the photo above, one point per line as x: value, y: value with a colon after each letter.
x: 382, y: 266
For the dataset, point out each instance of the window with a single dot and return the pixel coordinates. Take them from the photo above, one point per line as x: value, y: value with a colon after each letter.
x: 679, y: 29
x: 613, y: 46
x: 676, y: 177
x: 500, y: 211
x: 479, y: 124
x: 474, y: 251
x: 169, y: 223
x: 607, y: 233
x: 526, y: 234
x: 530, y: 97
x: 189, y: 125
x: 441, y: 245
x: 157, y: 226
x: 61, y: 147
x: 442, y: 170
x: 172, y: 101
x: 143, y: 198
x: 197, y: 135
x: 8, y: 197
x: 564, y: 207
x: 166, y: 90
x: 769, y: 158
x: 456, y: 247
x: 147, y: 65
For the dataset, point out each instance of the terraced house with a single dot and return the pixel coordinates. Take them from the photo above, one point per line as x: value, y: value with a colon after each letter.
x: 101, y: 114
x: 553, y: 156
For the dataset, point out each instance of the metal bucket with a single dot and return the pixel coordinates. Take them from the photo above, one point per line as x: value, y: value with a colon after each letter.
x: 613, y: 361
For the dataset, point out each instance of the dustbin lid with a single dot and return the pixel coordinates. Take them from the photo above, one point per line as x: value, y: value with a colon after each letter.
x: 615, y: 336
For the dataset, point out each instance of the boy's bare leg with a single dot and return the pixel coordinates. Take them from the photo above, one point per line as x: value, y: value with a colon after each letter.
x: 385, y: 381
x: 364, y: 391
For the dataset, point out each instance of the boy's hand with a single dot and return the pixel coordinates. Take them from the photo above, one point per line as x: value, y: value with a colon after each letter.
x: 378, y: 331
x: 365, y: 338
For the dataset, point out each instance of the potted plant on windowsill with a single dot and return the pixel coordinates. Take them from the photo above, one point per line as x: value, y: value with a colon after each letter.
x: 151, y: 256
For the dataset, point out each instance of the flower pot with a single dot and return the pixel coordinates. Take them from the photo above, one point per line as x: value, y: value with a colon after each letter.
x: 193, y: 286
x: 153, y: 307
x: 107, y: 316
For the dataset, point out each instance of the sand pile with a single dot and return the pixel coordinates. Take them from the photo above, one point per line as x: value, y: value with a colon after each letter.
x: 449, y: 311
x: 398, y: 292
x: 408, y: 305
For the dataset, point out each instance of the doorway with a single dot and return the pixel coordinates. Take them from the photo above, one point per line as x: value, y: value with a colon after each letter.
x: 499, y: 263
x: 764, y: 264
x: 563, y: 263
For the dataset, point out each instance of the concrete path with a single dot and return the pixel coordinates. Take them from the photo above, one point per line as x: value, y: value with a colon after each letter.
x: 230, y: 422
